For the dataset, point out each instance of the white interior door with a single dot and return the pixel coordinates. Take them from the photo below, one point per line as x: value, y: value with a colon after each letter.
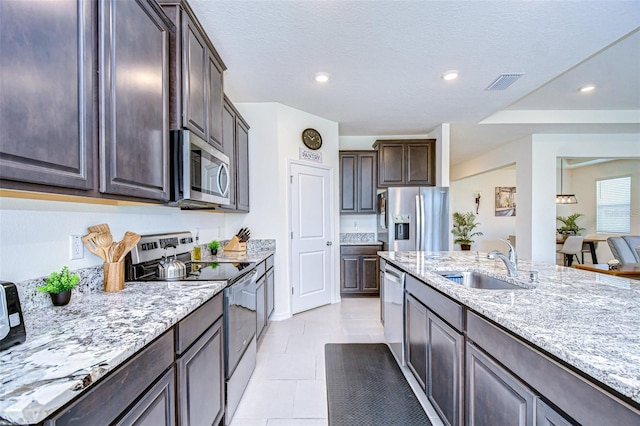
x: 311, y: 237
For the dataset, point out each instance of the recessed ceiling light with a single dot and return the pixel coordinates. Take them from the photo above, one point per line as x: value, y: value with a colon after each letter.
x: 321, y: 77
x: 450, y: 75
x: 587, y: 88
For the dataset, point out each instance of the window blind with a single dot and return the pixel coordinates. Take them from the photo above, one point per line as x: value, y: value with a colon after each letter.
x: 613, y: 198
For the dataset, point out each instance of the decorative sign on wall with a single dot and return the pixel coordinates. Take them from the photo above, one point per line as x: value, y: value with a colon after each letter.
x: 505, y: 200
x: 314, y: 156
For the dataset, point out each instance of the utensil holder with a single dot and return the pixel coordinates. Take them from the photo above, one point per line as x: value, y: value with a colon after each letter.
x: 113, y: 276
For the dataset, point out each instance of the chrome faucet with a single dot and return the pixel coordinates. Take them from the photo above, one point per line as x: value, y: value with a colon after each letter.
x: 510, y: 262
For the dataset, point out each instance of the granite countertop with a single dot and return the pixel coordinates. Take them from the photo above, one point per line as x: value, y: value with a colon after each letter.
x: 588, y: 320
x: 70, y: 347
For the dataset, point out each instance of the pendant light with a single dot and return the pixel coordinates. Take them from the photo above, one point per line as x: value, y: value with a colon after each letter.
x: 564, y: 198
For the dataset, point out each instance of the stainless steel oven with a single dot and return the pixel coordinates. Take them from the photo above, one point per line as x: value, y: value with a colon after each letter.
x: 199, y: 172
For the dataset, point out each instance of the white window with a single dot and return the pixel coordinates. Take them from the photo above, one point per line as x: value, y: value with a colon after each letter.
x: 613, y: 198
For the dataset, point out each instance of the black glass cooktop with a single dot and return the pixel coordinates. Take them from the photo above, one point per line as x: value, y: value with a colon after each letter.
x: 203, y: 271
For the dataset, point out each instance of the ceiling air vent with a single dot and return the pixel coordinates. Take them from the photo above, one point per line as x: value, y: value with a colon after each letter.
x: 503, y: 81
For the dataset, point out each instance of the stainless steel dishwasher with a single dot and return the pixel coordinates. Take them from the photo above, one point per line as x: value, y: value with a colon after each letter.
x: 394, y: 311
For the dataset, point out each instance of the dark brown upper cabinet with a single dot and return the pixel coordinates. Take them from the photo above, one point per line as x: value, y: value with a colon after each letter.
x: 358, y: 177
x: 196, y: 76
x: 408, y: 162
x: 134, y: 99
x: 47, y: 80
x: 235, y: 136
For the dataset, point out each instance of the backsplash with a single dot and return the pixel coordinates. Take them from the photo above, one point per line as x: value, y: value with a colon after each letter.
x: 358, y: 238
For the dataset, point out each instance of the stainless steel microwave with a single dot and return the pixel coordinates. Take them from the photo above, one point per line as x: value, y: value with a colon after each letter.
x: 199, y: 173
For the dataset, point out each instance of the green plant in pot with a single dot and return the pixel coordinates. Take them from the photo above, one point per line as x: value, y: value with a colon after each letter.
x: 214, y: 246
x: 569, y: 225
x: 463, y: 226
x: 59, y: 286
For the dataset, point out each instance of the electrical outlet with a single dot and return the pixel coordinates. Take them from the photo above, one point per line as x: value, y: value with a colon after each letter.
x: 76, y: 250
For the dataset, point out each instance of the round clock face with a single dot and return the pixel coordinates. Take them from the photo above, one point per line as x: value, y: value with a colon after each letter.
x: 311, y: 138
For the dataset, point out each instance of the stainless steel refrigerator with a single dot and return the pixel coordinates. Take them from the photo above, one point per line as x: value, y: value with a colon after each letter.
x: 414, y: 219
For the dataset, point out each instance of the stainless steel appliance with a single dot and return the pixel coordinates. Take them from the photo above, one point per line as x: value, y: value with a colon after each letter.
x: 394, y: 311
x: 143, y: 264
x: 199, y: 172
x: 12, y: 331
x: 414, y: 218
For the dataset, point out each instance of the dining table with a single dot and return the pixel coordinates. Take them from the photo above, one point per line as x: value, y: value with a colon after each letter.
x: 625, y: 271
x: 591, y: 241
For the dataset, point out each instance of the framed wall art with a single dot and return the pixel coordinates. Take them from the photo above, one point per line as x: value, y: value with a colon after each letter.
x: 505, y: 200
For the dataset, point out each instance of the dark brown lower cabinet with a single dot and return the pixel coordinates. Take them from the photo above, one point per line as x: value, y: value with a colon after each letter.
x: 445, y: 359
x: 157, y: 407
x: 359, y: 273
x: 270, y: 284
x: 494, y: 397
x: 416, y: 328
x: 547, y: 416
x: 201, y: 380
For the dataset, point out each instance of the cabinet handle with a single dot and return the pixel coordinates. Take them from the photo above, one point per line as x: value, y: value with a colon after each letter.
x: 329, y: 243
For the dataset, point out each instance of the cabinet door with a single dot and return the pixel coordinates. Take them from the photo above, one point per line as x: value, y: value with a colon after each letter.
x: 261, y: 307
x: 420, y: 159
x: 493, y: 396
x: 270, y: 291
x: 194, y: 80
x: 46, y: 113
x: 229, y: 148
x: 444, y: 369
x: 547, y: 416
x: 381, y: 280
x: 201, y: 380
x: 349, y: 273
x: 135, y: 107
x: 348, y: 183
x: 416, y: 329
x: 242, y: 173
x: 367, y: 182
x: 370, y: 273
x: 391, y: 168
x: 156, y: 407
x: 214, y: 71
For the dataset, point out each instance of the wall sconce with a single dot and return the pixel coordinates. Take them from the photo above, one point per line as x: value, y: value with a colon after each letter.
x: 478, y: 195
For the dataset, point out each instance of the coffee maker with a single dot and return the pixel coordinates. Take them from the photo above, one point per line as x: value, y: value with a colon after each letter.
x: 12, y: 330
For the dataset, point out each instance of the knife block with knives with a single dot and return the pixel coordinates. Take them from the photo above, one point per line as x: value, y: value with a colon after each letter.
x: 238, y: 243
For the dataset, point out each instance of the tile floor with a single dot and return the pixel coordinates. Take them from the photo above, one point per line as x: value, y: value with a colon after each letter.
x: 288, y: 385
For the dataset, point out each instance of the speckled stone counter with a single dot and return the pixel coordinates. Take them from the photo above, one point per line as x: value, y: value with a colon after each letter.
x: 70, y: 347
x: 588, y: 320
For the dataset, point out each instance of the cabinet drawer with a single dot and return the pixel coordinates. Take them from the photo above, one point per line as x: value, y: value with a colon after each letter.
x: 192, y: 327
x: 445, y: 308
x: 364, y: 249
x: 109, y: 398
x: 270, y: 262
x: 261, y: 268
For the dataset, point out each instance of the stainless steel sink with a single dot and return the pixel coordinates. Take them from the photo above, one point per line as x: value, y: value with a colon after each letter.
x: 475, y: 279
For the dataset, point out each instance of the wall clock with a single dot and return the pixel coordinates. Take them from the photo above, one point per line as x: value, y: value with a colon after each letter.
x: 311, y: 138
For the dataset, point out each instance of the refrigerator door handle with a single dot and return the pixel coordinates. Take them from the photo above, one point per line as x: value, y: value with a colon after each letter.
x: 417, y: 223
x: 422, y: 223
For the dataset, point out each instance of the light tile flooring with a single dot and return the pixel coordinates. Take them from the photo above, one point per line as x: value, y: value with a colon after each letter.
x: 288, y: 385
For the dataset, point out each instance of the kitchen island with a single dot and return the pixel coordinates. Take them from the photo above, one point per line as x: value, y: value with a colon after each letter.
x: 584, y: 323
x: 69, y: 349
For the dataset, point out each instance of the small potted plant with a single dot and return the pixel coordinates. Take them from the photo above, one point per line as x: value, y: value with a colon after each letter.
x: 214, y: 246
x: 463, y: 225
x: 59, y: 286
x: 569, y: 225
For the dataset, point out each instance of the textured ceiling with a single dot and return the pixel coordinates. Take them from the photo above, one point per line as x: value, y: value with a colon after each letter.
x: 386, y: 57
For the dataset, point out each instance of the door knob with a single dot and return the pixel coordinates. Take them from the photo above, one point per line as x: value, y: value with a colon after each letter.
x: 329, y: 243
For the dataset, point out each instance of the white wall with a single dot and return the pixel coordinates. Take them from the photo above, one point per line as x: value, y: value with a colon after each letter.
x: 275, y: 139
x: 34, y: 234
x: 463, y: 193
x: 535, y: 158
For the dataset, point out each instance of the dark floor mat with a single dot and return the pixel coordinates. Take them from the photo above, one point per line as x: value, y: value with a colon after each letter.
x: 366, y: 387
